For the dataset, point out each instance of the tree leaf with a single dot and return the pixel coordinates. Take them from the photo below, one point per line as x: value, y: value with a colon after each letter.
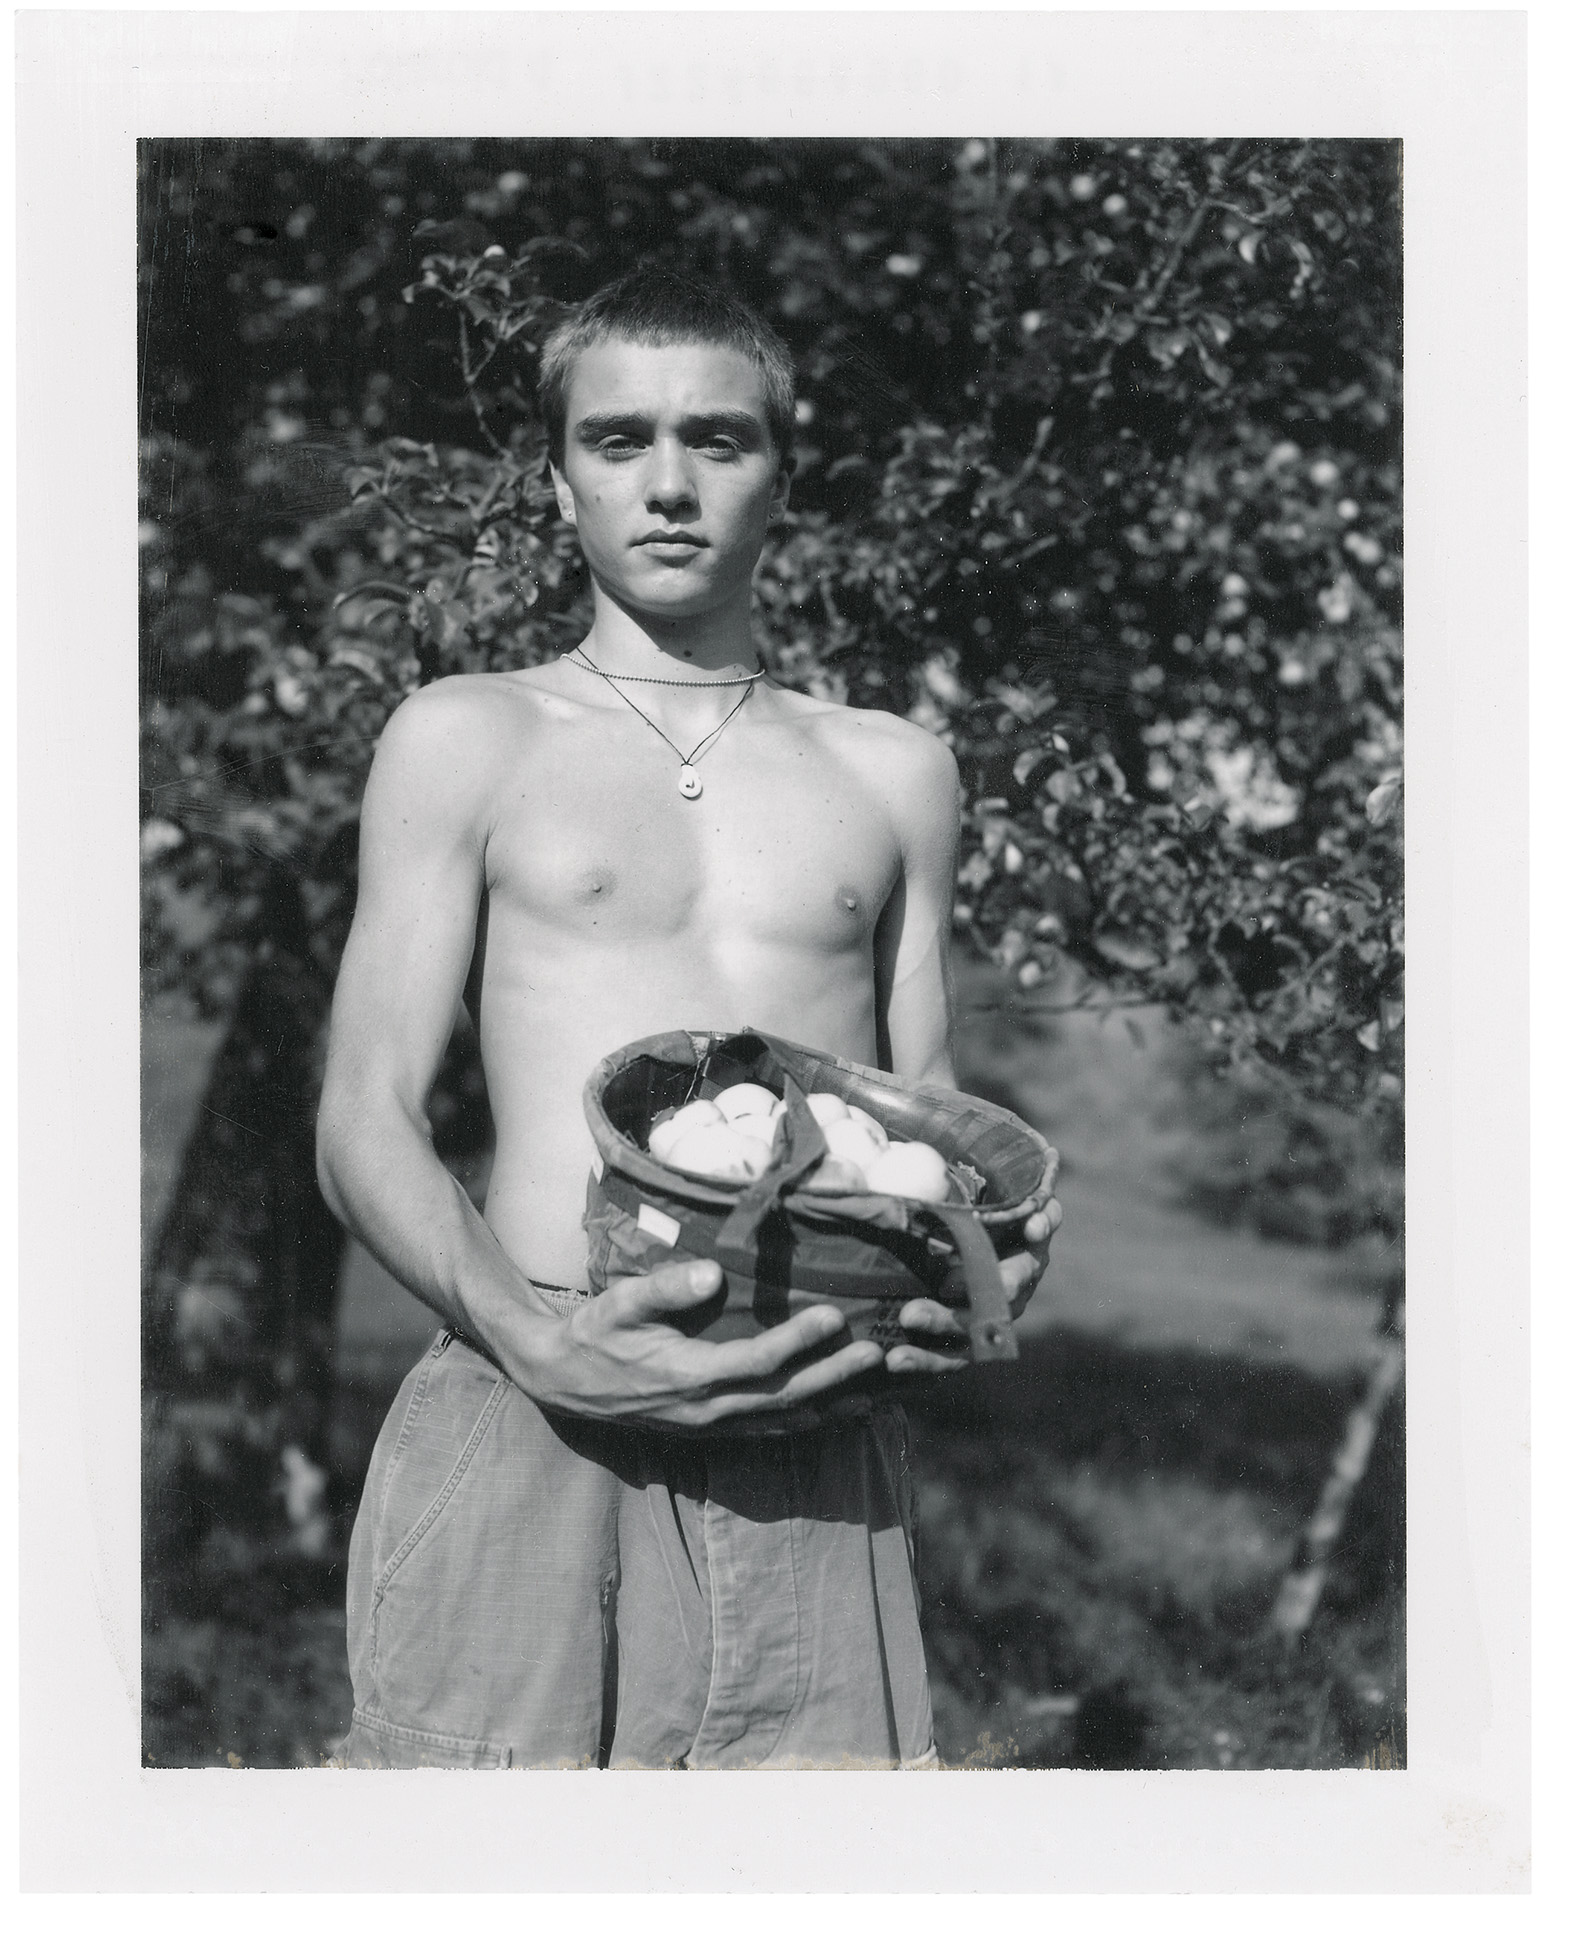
x: 1130, y: 953
x: 1382, y: 802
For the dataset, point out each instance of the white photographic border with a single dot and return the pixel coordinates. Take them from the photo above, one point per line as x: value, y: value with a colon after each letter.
x: 1451, y: 86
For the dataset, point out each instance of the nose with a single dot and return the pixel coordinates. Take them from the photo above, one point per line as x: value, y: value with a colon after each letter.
x: 670, y: 482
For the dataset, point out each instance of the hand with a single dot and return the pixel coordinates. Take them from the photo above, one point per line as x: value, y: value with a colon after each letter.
x: 1021, y: 1273
x: 624, y: 1357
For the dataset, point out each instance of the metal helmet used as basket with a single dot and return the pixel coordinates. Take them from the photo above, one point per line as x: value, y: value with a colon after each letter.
x: 783, y: 1245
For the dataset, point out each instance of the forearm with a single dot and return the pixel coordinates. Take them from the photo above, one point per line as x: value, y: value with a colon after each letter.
x: 936, y: 1070
x: 385, y: 1184
x: 621, y: 1357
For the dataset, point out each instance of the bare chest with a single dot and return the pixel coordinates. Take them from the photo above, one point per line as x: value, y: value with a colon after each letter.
x: 784, y: 843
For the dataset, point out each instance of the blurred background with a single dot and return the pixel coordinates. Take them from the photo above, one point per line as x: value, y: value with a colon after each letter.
x: 1098, y: 479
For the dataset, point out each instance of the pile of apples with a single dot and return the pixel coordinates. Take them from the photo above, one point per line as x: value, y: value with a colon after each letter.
x: 729, y: 1139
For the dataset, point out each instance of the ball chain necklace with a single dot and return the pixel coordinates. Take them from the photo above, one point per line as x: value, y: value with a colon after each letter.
x: 689, y: 783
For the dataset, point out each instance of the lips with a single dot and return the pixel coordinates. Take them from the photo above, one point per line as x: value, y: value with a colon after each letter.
x: 678, y: 538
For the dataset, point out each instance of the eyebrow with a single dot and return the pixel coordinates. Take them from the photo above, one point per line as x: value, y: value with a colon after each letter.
x: 600, y: 425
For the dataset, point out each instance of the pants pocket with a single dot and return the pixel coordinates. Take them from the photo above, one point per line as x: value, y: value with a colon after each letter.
x: 486, y: 1543
x: 446, y: 1427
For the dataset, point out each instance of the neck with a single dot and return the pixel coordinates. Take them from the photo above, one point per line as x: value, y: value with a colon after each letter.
x: 692, y: 646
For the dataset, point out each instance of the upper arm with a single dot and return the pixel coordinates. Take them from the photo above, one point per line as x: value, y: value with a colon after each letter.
x: 913, y: 938
x: 422, y: 854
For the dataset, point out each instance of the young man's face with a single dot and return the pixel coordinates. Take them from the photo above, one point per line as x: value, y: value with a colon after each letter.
x: 669, y: 473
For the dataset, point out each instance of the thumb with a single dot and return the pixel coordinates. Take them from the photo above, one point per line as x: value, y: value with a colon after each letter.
x: 668, y: 1290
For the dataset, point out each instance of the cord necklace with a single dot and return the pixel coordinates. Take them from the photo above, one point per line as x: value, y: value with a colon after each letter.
x: 689, y: 783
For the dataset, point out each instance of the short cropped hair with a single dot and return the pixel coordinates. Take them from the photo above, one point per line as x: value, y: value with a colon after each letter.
x: 657, y: 305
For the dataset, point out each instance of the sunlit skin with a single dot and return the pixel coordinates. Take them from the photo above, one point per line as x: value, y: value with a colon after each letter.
x: 670, y: 440
x: 525, y: 845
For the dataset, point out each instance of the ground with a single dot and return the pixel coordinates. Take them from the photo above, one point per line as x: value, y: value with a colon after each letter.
x: 1103, y: 1526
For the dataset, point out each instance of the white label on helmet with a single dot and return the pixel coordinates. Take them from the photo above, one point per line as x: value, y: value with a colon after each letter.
x: 596, y: 1165
x: 654, y: 1222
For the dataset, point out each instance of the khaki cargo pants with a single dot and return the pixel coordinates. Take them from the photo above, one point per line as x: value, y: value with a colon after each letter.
x: 527, y: 1591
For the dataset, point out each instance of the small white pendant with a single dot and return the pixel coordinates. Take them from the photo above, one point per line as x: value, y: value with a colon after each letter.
x: 688, y: 782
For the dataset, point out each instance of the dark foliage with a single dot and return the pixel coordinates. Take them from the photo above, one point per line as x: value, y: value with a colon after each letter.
x: 1098, y: 479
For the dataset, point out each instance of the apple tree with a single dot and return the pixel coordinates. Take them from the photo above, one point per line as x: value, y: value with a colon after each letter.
x: 1097, y: 479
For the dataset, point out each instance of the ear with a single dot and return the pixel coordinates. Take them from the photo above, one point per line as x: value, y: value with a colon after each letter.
x: 564, y: 492
x: 779, y: 496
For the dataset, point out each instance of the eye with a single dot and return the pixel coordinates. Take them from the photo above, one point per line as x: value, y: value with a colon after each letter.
x: 722, y: 445
x: 617, y: 446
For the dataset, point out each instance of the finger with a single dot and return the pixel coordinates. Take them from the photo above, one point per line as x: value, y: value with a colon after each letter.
x: 756, y: 1359
x: 907, y: 1359
x: 1022, y: 1274
x: 667, y: 1290
x: 933, y: 1318
x: 828, y: 1372
x: 783, y: 1391
x: 1018, y: 1271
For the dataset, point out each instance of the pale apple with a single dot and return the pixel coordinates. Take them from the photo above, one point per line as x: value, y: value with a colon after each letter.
x: 758, y: 1126
x: 734, y: 1102
x: 827, y: 1107
x: 911, y: 1169
x: 720, y: 1153
x: 870, y: 1124
x: 837, y: 1176
x: 755, y: 1154
x: 849, y: 1141
x: 698, y: 1113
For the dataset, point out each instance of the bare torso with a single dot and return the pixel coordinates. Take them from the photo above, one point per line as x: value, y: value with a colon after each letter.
x: 615, y: 908
x: 524, y: 843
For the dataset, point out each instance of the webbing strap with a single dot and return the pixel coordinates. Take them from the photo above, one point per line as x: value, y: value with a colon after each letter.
x: 806, y: 1148
x: 990, y: 1328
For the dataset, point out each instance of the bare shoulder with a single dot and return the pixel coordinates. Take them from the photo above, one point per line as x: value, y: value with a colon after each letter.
x: 914, y: 772
x: 461, y: 725
x: 443, y: 750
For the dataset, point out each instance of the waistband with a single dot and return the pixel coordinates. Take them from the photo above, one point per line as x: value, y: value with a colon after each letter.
x: 561, y: 1299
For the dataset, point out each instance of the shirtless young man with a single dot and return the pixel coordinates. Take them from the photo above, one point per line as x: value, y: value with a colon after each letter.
x: 537, y: 1576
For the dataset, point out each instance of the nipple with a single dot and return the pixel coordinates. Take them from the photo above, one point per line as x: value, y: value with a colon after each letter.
x: 847, y: 897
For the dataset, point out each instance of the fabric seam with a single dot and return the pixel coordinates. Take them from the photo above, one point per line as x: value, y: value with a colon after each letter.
x: 379, y: 1724
x: 425, y: 1523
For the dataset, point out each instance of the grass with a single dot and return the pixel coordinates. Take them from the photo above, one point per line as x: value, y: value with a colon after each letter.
x: 1103, y: 1526
x: 1102, y: 1539
x: 1102, y: 1533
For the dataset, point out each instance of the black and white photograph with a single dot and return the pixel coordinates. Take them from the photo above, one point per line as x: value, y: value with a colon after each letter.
x: 731, y: 725
x: 1023, y: 518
